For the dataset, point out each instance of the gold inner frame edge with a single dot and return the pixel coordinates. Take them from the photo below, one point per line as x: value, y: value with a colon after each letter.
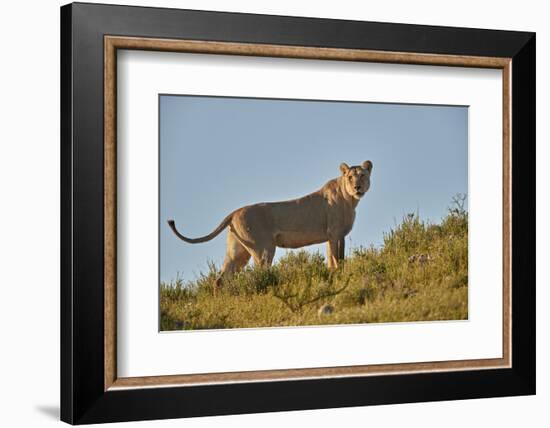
x: 113, y: 43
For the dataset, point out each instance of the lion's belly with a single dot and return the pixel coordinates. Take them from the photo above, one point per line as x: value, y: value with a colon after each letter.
x: 299, y: 223
x: 297, y: 239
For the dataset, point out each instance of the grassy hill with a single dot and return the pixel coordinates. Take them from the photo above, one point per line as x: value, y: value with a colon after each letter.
x: 420, y: 273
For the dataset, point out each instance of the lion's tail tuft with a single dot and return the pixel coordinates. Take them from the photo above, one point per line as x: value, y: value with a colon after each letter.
x: 206, y: 238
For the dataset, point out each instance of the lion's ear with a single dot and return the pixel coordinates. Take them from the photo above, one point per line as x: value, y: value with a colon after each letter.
x: 344, y: 167
x: 367, y: 165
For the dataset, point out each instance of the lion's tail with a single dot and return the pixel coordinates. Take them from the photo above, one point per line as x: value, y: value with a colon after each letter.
x: 206, y: 238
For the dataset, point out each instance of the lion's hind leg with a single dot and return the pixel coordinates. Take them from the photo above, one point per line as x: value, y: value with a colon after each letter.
x: 263, y: 256
x: 236, y: 257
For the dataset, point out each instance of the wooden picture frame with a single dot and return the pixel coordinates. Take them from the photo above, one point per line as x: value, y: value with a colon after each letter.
x: 91, y: 390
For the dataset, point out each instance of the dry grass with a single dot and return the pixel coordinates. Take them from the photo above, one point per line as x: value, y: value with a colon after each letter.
x: 420, y: 273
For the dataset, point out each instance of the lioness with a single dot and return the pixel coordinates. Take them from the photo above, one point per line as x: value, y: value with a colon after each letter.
x: 325, y: 215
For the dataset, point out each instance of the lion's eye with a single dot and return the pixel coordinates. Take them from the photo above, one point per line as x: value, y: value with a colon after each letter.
x: 350, y: 177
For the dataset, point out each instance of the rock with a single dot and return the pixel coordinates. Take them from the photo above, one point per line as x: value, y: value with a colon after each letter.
x: 326, y: 309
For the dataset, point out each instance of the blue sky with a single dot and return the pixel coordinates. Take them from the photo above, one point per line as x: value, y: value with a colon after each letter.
x: 218, y: 154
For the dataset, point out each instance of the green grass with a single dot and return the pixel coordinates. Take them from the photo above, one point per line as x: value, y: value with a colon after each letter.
x: 420, y: 273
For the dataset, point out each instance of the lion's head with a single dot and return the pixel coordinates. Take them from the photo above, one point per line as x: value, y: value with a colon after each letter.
x: 356, y: 179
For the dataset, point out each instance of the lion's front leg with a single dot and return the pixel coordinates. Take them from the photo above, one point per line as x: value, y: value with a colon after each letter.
x: 335, y: 252
x: 331, y: 260
x: 341, y: 248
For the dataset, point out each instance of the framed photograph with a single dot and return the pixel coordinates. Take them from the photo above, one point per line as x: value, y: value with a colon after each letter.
x: 265, y: 213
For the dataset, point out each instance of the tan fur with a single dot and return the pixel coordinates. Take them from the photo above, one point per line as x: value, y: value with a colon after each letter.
x: 326, y: 215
